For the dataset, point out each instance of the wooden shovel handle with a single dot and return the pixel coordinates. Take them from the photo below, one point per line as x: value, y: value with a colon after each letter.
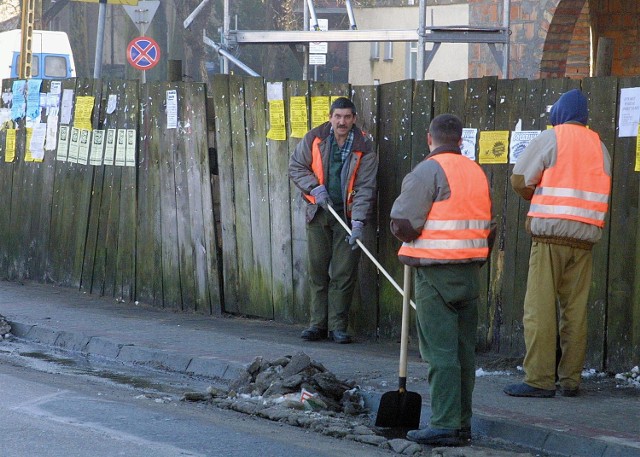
x: 404, y: 335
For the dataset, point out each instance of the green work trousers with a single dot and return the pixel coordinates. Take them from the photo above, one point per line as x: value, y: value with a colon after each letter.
x: 555, y: 304
x: 333, y: 270
x: 447, y: 317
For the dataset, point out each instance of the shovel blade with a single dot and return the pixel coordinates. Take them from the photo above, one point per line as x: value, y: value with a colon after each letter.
x: 400, y: 410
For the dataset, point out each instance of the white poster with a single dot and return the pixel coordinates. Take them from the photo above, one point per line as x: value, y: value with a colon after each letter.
x: 519, y: 141
x: 172, y: 109
x: 629, y: 112
x: 469, y: 139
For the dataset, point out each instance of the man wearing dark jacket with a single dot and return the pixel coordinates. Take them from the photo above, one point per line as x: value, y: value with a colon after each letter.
x: 443, y: 216
x: 566, y: 174
x: 334, y: 164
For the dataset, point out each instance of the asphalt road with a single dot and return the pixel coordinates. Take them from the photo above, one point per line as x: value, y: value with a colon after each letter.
x: 72, y: 408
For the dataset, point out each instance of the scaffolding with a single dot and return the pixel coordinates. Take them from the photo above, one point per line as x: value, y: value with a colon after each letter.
x: 491, y: 36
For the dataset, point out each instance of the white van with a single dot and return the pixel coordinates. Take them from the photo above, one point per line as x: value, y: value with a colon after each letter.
x: 52, y: 57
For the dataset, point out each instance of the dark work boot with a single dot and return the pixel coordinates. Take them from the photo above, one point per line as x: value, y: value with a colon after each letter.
x: 314, y: 334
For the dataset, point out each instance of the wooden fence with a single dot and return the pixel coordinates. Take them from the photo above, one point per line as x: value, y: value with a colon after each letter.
x: 147, y: 232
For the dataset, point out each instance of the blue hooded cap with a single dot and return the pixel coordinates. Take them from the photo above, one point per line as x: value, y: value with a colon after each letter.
x: 571, y: 106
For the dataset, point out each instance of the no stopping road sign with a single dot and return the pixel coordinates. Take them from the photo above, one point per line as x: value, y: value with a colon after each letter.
x: 143, y: 53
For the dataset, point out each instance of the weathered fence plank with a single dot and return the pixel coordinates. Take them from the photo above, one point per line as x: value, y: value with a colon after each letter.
x: 149, y: 232
x: 602, y: 94
x: 261, y: 286
x: 623, y: 259
x: 361, y: 316
x: 394, y: 146
x: 298, y: 224
x: 227, y: 203
x: 280, y: 197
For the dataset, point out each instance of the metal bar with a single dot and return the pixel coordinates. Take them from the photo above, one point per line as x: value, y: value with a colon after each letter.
x: 209, y: 42
x: 352, y: 19
x: 422, y: 22
x: 434, y: 36
x: 102, y: 17
x: 187, y: 22
x: 506, y: 14
x: 312, y: 12
x: 26, y: 37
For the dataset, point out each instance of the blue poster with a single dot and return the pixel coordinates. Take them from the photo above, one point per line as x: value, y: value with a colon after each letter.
x: 18, y: 102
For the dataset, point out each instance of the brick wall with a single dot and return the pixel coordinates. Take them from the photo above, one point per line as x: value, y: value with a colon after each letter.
x: 551, y: 38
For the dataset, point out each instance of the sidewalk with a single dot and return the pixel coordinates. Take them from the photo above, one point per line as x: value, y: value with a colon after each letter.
x: 603, y: 421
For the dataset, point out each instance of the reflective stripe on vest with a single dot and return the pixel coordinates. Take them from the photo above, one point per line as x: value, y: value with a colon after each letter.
x: 456, y: 228
x: 576, y: 187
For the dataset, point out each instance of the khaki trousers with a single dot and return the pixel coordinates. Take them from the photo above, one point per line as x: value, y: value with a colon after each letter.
x: 555, y: 305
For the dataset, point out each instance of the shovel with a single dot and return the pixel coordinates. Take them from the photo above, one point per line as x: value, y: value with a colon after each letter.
x: 373, y: 259
x: 401, y: 409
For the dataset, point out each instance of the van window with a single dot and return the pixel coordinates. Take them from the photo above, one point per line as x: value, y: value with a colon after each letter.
x: 55, y: 66
x: 35, y: 65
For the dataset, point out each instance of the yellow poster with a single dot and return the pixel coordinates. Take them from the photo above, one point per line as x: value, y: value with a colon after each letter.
x: 10, y: 146
x: 27, y: 155
x: 637, y: 167
x: 83, y: 111
x: 494, y: 147
x: 298, y: 116
x: 277, y: 126
x: 319, y: 110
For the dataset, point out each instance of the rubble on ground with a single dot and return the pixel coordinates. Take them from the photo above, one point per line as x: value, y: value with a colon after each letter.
x: 299, y: 391
x: 5, y: 328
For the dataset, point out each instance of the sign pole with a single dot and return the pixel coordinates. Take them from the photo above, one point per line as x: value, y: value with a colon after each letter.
x: 102, y: 17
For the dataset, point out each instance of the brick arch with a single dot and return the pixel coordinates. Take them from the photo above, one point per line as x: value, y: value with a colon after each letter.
x: 562, y: 32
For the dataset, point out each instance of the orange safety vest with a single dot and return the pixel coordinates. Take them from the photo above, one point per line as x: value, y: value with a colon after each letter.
x: 318, y: 170
x: 577, y: 187
x: 457, y: 228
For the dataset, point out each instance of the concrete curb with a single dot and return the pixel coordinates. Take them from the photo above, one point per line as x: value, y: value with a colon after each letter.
x: 534, y: 438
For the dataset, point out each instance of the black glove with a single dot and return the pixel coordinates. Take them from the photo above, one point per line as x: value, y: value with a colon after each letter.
x: 322, y: 196
x: 357, y: 228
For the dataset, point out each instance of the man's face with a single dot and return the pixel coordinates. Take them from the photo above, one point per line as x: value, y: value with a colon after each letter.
x: 342, y: 120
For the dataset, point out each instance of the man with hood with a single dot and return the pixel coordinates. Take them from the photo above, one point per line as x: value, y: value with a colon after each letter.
x: 566, y: 174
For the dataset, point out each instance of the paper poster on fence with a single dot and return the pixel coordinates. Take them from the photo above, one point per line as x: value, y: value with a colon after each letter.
x: 51, y: 138
x: 65, y: 106
x: 172, y: 109
x: 83, y: 111
x: 18, y: 100
x: 10, y: 146
x: 277, y: 123
x: 130, y: 149
x: 469, y: 143
x: 121, y: 148
x: 110, y: 147
x: 36, y: 142
x: 74, y: 144
x: 319, y: 110
x: 83, y: 147
x: 97, y: 147
x: 519, y: 142
x: 63, y: 143
x: 494, y: 147
x: 629, y: 112
x: 298, y: 117
x: 637, y: 166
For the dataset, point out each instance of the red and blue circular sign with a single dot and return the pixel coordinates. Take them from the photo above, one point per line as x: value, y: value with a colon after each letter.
x: 143, y: 53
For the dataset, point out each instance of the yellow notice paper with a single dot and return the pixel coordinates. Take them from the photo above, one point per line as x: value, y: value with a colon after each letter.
x: 27, y: 155
x: 277, y: 126
x: 83, y: 111
x: 637, y: 167
x: 494, y: 147
x: 298, y: 116
x: 10, y: 146
x: 319, y: 110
